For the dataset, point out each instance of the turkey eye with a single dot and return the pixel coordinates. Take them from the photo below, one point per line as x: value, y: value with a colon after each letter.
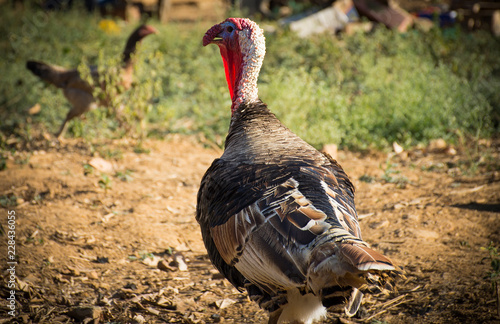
x: 229, y: 29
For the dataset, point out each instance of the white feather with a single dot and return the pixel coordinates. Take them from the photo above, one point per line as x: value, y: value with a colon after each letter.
x: 305, y: 309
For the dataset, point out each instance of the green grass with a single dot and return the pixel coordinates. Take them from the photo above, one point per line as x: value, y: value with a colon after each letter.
x: 361, y: 91
x: 494, y: 273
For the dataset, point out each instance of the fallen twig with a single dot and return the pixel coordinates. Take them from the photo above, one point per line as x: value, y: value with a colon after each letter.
x: 386, y: 309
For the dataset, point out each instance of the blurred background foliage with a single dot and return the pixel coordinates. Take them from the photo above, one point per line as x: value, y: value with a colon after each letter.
x: 360, y: 91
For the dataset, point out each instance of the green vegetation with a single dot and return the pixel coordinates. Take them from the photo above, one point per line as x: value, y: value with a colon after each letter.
x: 494, y: 273
x: 88, y: 169
x: 141, y: 255
x: 8, y: 201
x: 105, y: 182
x: 391, y: 175
x: 361, y: 91
x: 125, y: 176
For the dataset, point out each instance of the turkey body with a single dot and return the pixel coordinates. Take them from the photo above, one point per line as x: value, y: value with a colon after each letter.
x: 79, y: 92
x: 277, y: 216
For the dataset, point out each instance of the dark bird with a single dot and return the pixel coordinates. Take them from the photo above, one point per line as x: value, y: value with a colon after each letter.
x: 78, y: 91
x: 277, y: 216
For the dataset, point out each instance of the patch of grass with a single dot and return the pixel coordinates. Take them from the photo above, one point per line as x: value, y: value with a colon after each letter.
x: 391, y: 175
x: 464, y: 244
x: 360, y: 91
x: 145, y: 254
x: 382, y: 87
x: 479, y: 159
x: 142, y: 255
x: 8, y: 201
x: 494, y: 273
x: 110, y: 153
x: 433, y: 167
x: 140, y: 149
x: 24, y: 159
x: 88, y: 169
x: 125, y: 176
x: 65, y: 172
x: 105, y: 182
x: 3, y: 161
x: 367, y: 178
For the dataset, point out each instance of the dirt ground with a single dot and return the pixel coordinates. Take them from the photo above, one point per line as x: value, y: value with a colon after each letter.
x: 88, y: 242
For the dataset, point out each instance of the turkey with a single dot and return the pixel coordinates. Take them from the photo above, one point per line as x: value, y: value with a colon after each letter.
x: 79, y: 92
x: 277, y: 216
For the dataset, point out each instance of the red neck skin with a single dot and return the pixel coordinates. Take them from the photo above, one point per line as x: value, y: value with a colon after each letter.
x: 233, y: 62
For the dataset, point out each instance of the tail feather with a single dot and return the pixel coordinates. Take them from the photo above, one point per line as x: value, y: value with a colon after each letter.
x: 364, y: 258
x: 342, y: 272
x: 50, y: 73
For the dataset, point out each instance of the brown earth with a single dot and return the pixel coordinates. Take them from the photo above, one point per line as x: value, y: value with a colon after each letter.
x: 88, y: 251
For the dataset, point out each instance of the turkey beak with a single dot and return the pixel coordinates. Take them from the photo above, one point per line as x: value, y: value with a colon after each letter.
x: 213, y: 36
x: 216, y: 40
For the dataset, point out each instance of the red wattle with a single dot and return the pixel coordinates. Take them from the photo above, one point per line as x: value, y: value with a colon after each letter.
x: 233, y: 61
x: 227, y: 70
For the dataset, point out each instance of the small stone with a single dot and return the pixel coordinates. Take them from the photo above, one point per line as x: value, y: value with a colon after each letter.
x: 101, y: 165
x: 397, y: 148
x: 224, y: 303
x: 180, y: 262
x: 451, y: 151
x: 437, y: 145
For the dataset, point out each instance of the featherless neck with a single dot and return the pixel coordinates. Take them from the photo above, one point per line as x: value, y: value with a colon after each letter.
x: 252, y: 51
